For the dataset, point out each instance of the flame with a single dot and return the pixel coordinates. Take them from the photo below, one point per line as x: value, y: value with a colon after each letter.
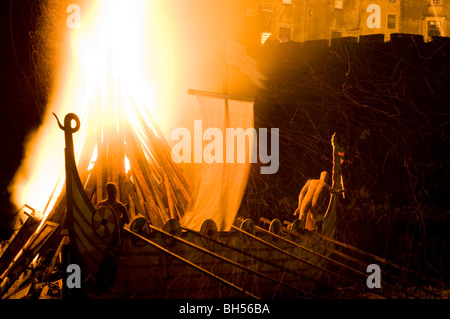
x: 127, y: 41
x: 138, y: 53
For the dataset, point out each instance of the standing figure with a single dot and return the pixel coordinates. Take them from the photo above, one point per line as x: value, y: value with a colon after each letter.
x: 108, y: 267
x: 338, y: 160
x: 311, y: 200
x: 119, y: 208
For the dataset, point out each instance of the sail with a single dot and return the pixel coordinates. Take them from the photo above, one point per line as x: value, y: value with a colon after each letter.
x: 220, y: 185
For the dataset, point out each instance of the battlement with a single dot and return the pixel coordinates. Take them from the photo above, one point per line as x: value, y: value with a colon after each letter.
x: 397, y: 40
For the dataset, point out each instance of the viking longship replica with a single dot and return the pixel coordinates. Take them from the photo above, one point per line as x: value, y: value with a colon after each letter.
x: 149, y: 261
x: 156, y: 257
x: 175, y: 245
x: 161, y: 253
x: 183, y: 240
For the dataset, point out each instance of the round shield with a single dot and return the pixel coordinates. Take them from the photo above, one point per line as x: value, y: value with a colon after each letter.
x: 104, y: 223
x: 319, y: 224
x: 276, y: 228
x: 248, y: 226
x: 209, y: 229
x: 298, y: 228
x: 140, y: 226
x: 173, y: 227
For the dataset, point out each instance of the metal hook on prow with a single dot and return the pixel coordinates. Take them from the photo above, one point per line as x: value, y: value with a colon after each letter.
x: 67, y: 127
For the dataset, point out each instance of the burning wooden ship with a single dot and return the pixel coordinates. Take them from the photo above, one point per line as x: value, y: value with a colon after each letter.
x: 156, y: 256
x: 183, y: 240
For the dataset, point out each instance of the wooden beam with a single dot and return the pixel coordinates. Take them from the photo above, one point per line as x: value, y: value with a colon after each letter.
x: 135, y: 198
x: 100, y: 152
x: 220, y: 95
x: 139, y: 165
x: 169, y: 196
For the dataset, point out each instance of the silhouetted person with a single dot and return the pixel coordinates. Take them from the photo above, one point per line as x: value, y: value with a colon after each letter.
x: 118, y: 207
x: 311, y: 200
x: 108, y: 267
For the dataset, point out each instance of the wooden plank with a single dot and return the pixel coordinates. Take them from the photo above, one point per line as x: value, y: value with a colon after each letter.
x: 28, y: 253
x: 173, y: 202
x: 41, y: 237
x: 154, y: 212
x: 137, y: 163
x: 131, y: 208
x: 17, y: 243
x: 57, y: 214
x: 169, y: 196
x: 220, y: 95
x: 137, y: 189
x: 159, y: 199
x: 88, y: 147
x: 21, y: 292
x: 156, y: 219
x: 100, y: 150
x: 48, y: 272
x: 90, y: 186
x: 146, y: 192
x: 147, y: 208
x: 163, y: 154
x: 109, y: 129
x: 135, y: 198
x: 123, y: 190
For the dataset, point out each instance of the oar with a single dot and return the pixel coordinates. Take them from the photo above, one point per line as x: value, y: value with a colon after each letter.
x: 183, y: 260
x: 229, y: 261
x: 258, y: 258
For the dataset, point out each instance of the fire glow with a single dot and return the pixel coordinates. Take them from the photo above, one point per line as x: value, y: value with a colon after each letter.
x: 110, y: 47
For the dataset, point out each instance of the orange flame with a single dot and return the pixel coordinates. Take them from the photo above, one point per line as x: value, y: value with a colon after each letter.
x: 123, y: 40
x: 132, y: 47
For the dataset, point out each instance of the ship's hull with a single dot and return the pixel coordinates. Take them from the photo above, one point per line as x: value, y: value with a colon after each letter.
x: 235, y: 264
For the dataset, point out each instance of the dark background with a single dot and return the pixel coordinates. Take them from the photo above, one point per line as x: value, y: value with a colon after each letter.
x: 21, y: 99
x: 389, y: 104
